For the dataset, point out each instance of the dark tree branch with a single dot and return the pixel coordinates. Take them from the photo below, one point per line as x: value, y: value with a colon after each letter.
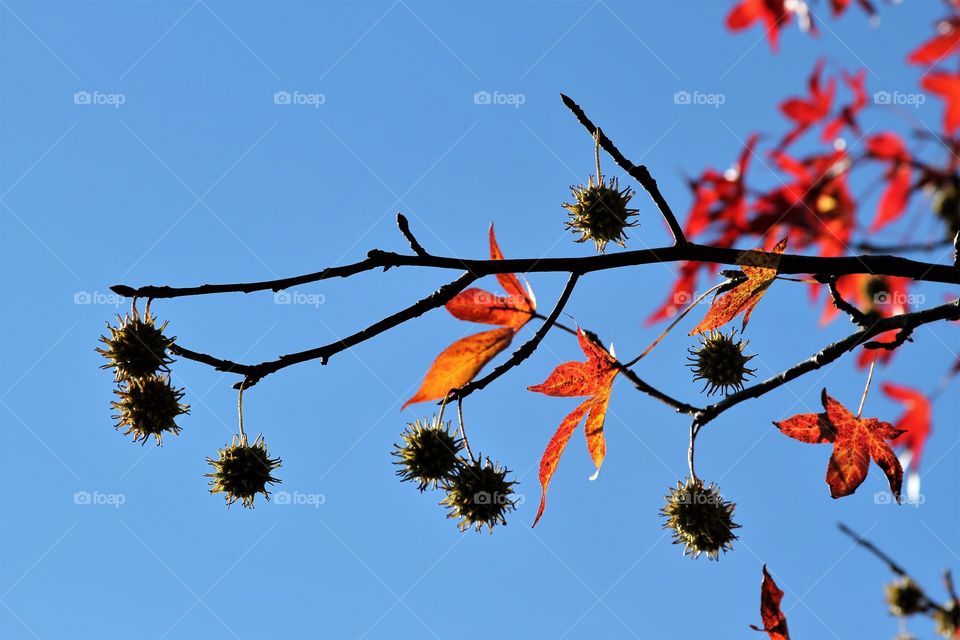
x: 789, y: 263
x: 404, y: 226
x: 637, y: 172
x: 887, y: 560
x: 525, y: 350
x: 904, y: 322
x: 910, y: 247
x: 642, y: 386
x: 856, y: 316
x: 254, y: 373
x: 872, y: 548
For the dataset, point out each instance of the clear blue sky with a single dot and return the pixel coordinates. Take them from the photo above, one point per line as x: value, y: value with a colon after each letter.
x: 198, y: 176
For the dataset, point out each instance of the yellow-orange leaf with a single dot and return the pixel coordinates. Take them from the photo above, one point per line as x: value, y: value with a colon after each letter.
x: 460, y: 362
x: 760, y: 269
x: 592, y: 378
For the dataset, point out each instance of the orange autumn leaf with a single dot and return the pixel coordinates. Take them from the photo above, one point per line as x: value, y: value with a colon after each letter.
x: 855, y: 442
x: 774, y: 622
x: 760, y: 269
x: 593, y: 378
x: 462, y: 361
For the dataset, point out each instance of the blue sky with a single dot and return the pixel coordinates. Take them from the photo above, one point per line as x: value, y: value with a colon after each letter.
x: 184, y: 170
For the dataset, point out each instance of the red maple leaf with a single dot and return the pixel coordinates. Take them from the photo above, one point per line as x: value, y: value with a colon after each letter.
x: 848, y: 114
x: 947, y: 86
x: 774, y: 622
x: 815, y: 208
x: 808, y: 111
x: 890, y: 148
x: 760, y: 269
x: 593, y: 378
x: 938, y: 47
x: 773, y: 13
x: 916, y: 426
x: 855, y: 442
x: 459, y: 363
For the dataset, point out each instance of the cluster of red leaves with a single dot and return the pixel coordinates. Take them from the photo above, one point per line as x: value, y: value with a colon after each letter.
x: 459, y: 363
x: 934, y: 56
x: 776, y: 14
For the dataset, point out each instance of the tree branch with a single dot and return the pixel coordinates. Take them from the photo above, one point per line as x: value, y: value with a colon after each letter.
x: 904, y: 322
x: 637, y: 172
x: 254, y: 373
x: 691, y: 252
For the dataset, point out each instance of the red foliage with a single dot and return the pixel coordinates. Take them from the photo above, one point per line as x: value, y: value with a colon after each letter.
x: 593, y: 378
x: 855, y: 442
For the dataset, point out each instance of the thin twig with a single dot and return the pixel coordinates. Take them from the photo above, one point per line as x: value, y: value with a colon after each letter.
x: 463, y: 431
x: 866, y: 388
x: 637, y: 172
x: 404, y: 226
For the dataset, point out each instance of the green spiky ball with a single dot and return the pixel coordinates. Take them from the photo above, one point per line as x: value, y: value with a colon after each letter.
x: 701, y: 520
x: 428, y: 454
x: 243, y: 470
x: 599, y: 212
x: 719, y: 361
x: 136, y: 347
x: 479, y: 494
x: 946, y: 204
x: 904, y: 597
x: 148, y: 407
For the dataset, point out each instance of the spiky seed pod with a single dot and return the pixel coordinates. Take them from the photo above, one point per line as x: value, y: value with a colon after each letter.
x: 904, y: 597
x: 429, y: 453
x: 946, y: 204
x: 148, y: 407
x: 479, y: 494
x: 136, y: 347
x: 719, y: 360
x: 702, y: 521
x: 243, y: 470
x: 599, y: 212
x: 947, y: 619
